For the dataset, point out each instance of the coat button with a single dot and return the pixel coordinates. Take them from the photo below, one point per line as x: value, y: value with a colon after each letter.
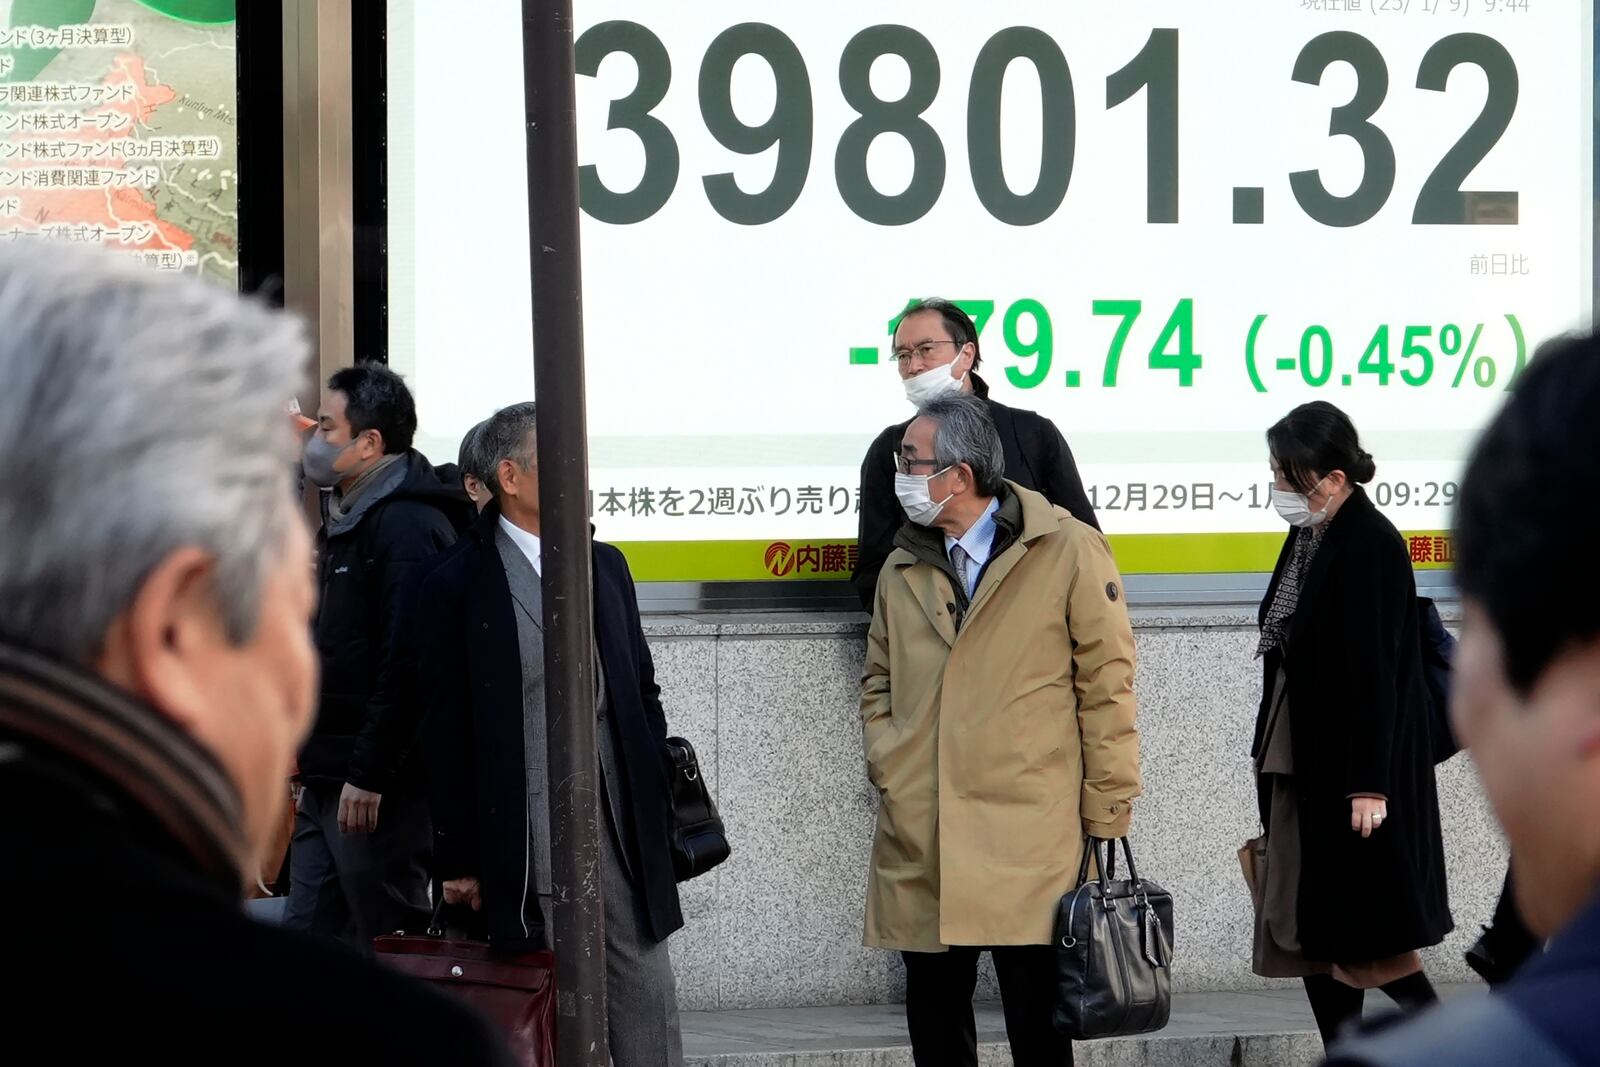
x: 485, y: 626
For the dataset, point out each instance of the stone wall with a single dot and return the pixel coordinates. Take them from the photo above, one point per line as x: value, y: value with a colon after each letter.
x: 770, y: 703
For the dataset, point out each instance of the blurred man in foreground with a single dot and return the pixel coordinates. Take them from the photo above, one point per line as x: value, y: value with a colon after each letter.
x: 1527, y: 706
x: 156, y: 678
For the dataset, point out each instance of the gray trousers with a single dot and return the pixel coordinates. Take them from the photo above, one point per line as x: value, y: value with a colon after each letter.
x: 355, y: 887
x: 641, y: 991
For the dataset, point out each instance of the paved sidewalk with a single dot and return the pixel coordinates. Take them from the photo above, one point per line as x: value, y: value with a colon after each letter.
x: 1262, y: 1028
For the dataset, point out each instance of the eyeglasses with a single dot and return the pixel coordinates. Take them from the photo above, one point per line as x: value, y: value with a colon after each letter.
x: 904, y: 465
x: 902, y: 356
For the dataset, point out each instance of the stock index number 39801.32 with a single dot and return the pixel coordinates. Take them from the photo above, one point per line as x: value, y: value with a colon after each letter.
x: 1155, y: 71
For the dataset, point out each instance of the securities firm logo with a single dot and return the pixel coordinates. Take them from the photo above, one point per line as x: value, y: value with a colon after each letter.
x: 784, y: 560
x: 780, y: 559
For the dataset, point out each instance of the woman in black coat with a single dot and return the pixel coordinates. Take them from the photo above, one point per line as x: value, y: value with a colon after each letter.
x: 1353, y: 881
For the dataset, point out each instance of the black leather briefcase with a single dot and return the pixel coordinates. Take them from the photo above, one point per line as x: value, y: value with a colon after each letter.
x: 1113, y: 952
x: 699, y: 841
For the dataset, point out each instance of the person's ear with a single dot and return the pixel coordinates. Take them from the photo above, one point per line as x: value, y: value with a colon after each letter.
x: 968, y: 352
x: 509, y: 476
x: 163, y: 647
x: 372, y: 444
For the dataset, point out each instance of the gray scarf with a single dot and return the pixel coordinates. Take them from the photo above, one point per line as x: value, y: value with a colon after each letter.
x: 345, y: 503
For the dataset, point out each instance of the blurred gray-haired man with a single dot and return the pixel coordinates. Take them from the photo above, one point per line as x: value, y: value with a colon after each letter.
x: 156, y: 678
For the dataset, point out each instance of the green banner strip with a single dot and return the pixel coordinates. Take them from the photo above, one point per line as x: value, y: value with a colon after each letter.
x: 201, y: 12
x: 797, y: 559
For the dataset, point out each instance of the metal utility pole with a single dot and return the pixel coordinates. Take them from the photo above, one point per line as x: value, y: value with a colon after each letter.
x: 551, y: 115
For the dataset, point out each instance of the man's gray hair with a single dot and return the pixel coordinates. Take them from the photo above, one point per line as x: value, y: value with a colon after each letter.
x: 509, y: 434
x: 965, y: 433
x: 139, y: 414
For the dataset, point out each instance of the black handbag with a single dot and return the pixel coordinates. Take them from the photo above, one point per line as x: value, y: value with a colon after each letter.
x: 699, y: 841
x: 1113, y: 952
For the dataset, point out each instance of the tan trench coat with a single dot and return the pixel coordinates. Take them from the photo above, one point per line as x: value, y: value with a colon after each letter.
x: 996, y: 748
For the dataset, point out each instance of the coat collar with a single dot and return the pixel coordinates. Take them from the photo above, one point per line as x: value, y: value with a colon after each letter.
x: 1024, y: 517
x: 483, y: 528
x: 138, y: 758
x: 1033, y: 517
x: 1351, y: 518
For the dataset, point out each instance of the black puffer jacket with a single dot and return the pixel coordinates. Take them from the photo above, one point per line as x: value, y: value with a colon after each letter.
x: 370, y: 566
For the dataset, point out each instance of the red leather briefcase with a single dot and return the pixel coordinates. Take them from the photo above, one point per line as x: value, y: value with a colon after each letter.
x: 516, y: 992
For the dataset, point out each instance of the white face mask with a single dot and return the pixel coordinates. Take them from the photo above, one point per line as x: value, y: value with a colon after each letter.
x: 912, y: 492
x: 1295, y: 508
x: 931, y: 384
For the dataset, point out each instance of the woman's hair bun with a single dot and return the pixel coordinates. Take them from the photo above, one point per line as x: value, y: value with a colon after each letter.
x: 1364, y: 469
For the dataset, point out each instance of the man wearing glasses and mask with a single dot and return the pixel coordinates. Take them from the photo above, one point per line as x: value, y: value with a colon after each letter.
x: 936, y: 354
x: 998, y: 720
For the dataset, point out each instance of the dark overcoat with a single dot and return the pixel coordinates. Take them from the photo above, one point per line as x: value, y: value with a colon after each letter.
x: 473, y: 737
x: 1359, y: 725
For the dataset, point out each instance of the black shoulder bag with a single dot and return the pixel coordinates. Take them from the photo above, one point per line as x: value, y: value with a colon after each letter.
x: 699, y: 841
x: 1113, y: 952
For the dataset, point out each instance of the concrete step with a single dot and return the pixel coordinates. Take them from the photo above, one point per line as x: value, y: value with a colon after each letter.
x: 1258, y: 1028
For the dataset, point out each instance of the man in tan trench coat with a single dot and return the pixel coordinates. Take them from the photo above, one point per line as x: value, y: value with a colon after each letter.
x: 998, y: 715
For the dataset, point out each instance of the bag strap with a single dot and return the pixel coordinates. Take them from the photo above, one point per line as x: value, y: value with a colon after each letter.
x: 1133, y: 872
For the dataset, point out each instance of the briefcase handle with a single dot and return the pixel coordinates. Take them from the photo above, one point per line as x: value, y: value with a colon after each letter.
x: 1107, y: 868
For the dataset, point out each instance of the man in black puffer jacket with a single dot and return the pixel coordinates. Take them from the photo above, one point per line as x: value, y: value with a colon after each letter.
x: 362, y: 835
x: 936, y: 352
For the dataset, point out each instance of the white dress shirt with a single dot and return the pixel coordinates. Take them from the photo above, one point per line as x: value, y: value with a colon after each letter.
x: 528, y: 542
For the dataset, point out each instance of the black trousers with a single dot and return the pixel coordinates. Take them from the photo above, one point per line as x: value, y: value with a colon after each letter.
x: 355, y: 887
x: 939, y: 988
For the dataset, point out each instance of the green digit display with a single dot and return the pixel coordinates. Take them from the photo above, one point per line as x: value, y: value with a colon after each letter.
x: 1323, y: 340
x: 1376, y: 359
x: 1411, y: 349
x: 1185, y: 360
x: 1129, y: 310
x: 1041, y: 349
